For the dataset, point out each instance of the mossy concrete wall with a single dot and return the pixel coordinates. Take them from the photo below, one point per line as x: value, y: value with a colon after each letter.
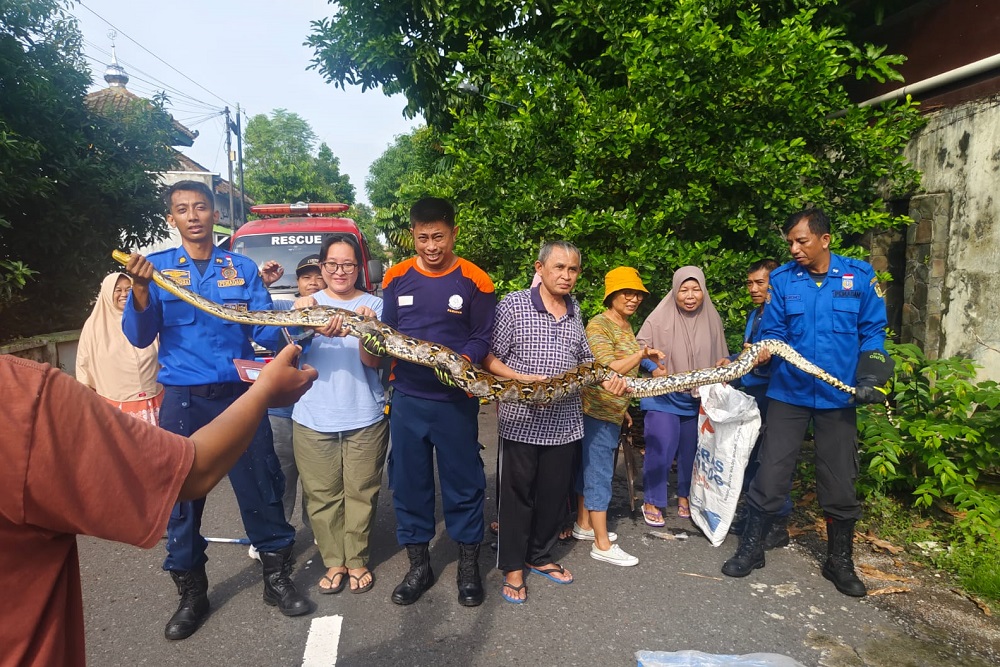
x: 951, y: 301
x: 58, y: 349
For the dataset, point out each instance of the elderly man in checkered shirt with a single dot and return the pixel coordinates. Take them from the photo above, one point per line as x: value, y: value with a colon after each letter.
x: 538, y: 332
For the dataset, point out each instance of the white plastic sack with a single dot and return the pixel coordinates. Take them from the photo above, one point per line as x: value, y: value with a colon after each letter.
x: 699, y: 659
x: 728, y: 423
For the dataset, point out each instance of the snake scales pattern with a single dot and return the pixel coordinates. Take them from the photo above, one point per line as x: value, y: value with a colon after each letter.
x: 381, y: 339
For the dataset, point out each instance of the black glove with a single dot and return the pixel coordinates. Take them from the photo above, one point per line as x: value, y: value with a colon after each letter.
x: 444, y: 378
x: 874, y: 377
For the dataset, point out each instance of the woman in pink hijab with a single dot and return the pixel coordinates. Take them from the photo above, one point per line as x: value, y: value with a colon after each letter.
x: 123, y: 375
x: 685, y: 326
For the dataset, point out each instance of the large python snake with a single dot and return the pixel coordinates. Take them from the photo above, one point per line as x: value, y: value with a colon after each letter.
x: 381, y: 339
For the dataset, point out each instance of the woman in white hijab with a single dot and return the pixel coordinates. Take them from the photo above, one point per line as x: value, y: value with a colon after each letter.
x: 123, y: 375
x: 685, y: 326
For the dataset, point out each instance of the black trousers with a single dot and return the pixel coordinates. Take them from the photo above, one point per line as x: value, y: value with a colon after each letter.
x: 836, y: 436
x: 534, y: 481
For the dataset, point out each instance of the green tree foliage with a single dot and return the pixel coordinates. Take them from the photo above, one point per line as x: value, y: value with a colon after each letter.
x: 408, y: 46
x: 939, y: 440
x: 73, y: 185
x: 659, y: 133
x: 364, y: 218
x: 282, y: 164
x: 399, y: 176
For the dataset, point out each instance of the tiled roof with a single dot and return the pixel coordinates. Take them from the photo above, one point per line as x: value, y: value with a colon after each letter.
x: 222, y: 187
x: 184, y: 163
x: 115, y: 99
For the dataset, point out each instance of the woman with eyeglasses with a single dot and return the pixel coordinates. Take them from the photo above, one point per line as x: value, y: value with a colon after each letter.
x: 123, y: 375
x: 339, y: 429
x: 613, y: 344
x: 687, y: 326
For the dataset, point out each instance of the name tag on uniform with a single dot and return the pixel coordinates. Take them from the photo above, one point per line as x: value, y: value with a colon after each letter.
x: 235, y: 282
x: 405, y: 300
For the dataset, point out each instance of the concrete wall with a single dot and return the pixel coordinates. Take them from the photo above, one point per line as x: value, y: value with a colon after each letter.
x: 952, y: 288
x: 58, y: 349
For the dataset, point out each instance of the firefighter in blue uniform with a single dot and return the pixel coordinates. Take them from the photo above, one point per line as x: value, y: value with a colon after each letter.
x: 200, y: 381
x: 755, y: 383
x: 830, y: 309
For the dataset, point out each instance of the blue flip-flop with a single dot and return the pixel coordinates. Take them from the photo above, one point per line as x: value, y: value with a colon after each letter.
x: 547, y: 573
x: 508, y: 598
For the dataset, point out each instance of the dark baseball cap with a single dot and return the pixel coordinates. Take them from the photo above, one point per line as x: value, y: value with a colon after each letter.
x: 309, y: 262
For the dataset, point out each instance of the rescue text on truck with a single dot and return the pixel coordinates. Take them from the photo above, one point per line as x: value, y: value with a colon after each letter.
x: 289, y: 232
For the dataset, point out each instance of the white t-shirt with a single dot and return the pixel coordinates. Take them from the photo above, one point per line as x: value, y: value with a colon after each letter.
x: 347, y: 395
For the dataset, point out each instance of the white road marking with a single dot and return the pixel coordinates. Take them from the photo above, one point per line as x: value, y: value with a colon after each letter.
x: 322, y: 642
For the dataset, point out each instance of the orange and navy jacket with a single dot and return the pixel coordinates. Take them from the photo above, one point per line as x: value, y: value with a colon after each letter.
x: 455, y: 309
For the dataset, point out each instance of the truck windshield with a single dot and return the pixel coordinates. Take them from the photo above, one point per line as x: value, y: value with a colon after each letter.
x: 260, y: 249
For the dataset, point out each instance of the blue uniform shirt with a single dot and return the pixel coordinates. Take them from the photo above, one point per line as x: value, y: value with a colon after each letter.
x: 760, y: 375
x: 195, y: 347
x: 830, y: 325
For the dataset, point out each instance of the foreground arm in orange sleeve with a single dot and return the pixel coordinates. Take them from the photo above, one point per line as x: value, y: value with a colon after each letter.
x: 218, y: 444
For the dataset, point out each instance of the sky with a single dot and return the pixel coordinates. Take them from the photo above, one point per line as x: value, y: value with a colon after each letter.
x: 207, y: 54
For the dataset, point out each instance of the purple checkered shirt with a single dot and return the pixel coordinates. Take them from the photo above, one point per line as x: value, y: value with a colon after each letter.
x: 530, y: 340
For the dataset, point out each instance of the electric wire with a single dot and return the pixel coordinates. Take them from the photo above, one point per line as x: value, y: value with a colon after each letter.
x: 134, y: 73
x: 124, y: 34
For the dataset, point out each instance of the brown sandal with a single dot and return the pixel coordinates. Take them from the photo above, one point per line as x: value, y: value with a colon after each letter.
x: 333, y: 588
x: 367, y: 587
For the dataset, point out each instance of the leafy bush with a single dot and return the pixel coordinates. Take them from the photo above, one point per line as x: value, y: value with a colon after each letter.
x: 652, y: 133
x: 937, y: 440
x: 977, y: 564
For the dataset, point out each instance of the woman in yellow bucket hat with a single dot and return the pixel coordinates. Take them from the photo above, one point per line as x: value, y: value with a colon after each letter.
x: 613, y: 343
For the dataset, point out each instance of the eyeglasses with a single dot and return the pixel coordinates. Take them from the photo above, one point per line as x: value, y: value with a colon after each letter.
x: 347, y: 267
x: 629, y: 295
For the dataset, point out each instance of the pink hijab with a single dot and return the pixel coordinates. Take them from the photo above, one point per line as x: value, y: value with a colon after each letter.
x: 690, y: 340
x: 106, y: 361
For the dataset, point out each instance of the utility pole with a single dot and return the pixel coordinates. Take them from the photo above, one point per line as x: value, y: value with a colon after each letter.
x: 229, y: 161
x: 239, y: 157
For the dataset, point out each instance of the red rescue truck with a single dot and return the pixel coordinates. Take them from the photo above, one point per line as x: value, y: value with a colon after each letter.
x: 289, y: 232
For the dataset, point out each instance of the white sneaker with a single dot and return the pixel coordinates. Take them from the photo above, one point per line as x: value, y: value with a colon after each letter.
x: 614, y: 555
x: 588, y: 535
x: 253, y: 553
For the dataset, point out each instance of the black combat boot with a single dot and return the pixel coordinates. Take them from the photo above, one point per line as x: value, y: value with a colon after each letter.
x: 279, y: 590
x: 192, y: 586
x: 777, y: 535
x: 739, y: 518
x: 750, y: 554
x: 839, y: 565
x: 470, y: 586
x: 418, y: 579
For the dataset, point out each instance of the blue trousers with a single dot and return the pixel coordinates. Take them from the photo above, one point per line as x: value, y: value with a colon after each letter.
x: 418, y: 427
x: 668, y: 436
x: 256, y: 479
x: 597, y: 464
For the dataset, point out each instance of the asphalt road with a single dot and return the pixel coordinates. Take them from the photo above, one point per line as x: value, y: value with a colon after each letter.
x: 675, y: 599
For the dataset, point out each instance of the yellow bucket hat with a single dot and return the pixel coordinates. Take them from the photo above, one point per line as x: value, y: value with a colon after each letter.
x: 623, y: 277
